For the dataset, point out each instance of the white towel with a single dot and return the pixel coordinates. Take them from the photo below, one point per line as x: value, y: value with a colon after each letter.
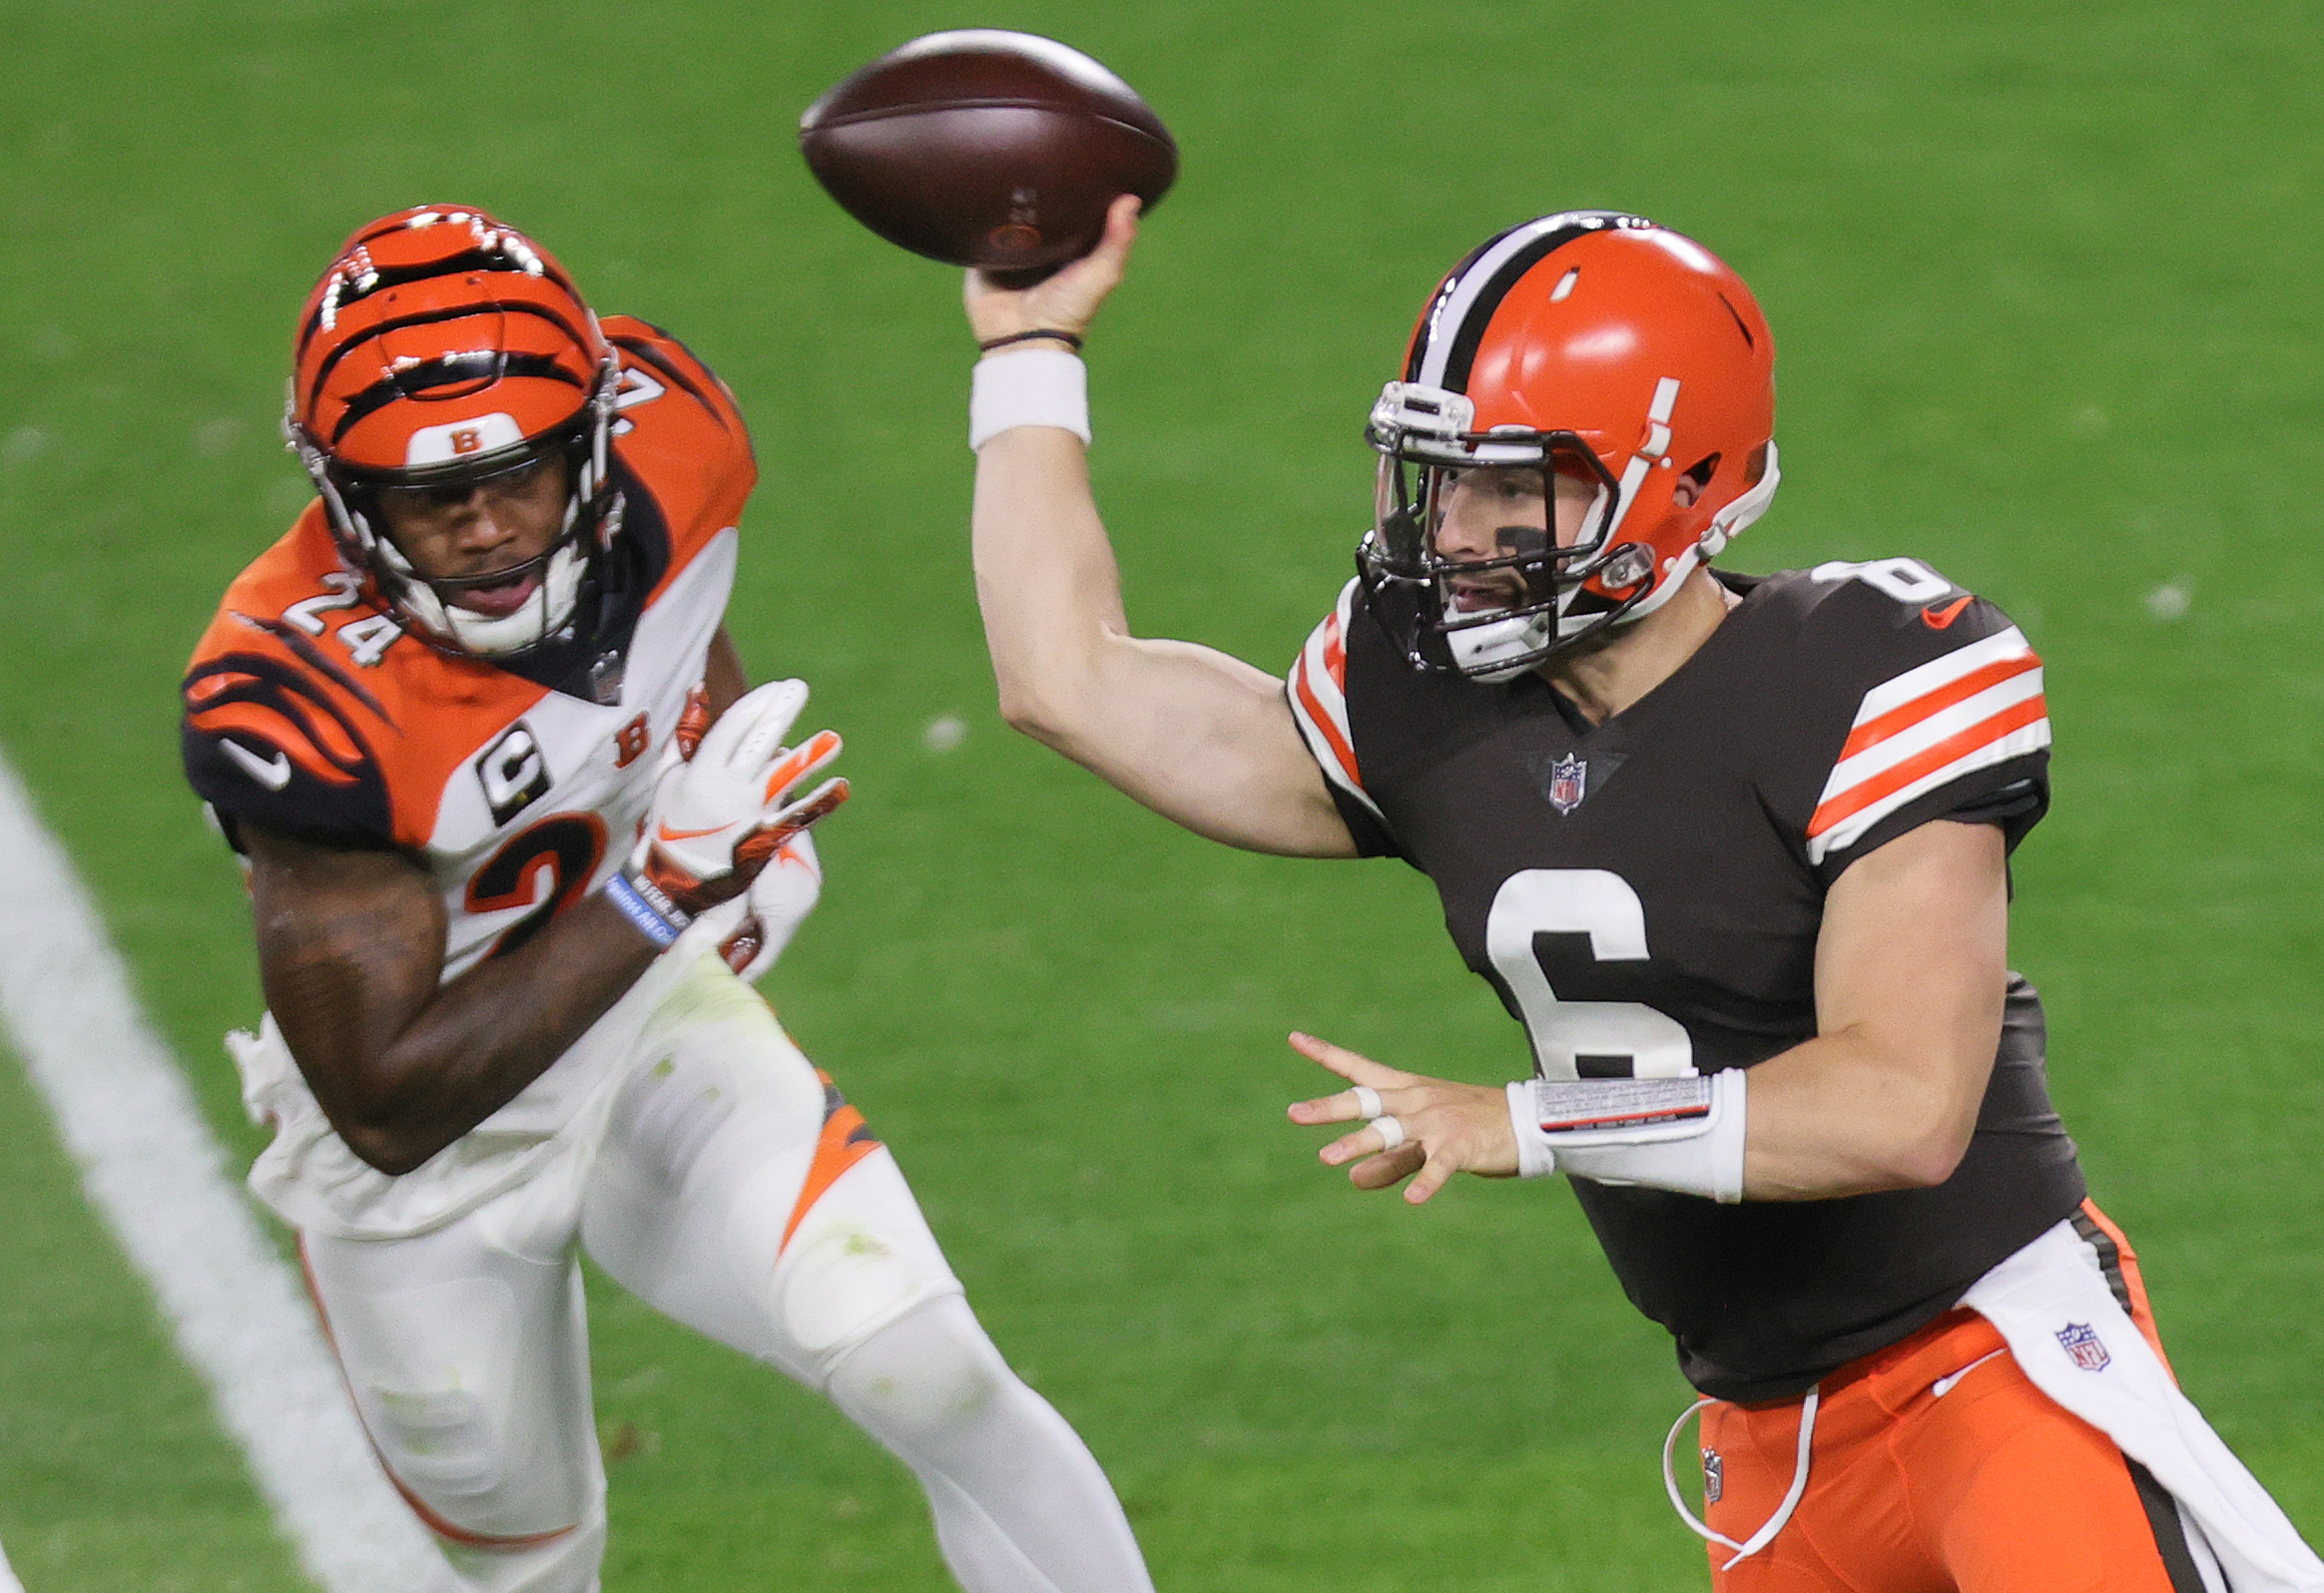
x: 2052, y: 1303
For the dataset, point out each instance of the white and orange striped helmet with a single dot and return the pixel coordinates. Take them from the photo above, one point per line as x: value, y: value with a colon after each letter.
x: 443, y: 347
x: 1591, y: 344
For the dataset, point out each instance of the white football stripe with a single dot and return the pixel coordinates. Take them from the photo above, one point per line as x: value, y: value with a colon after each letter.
x: 1915, y: 739
x: 1925, y: 677
x: 156, y: 1174
x: 2025, y: 739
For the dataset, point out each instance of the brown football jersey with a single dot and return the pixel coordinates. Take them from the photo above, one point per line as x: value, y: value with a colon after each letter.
x: 1645, y: 895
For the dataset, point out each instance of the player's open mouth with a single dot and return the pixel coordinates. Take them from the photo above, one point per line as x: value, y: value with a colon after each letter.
x: 497, y: 600
x: 1484, y: 593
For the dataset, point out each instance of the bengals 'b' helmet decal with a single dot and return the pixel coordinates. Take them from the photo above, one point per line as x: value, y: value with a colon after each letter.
x: 441, y: 349
x: 1591, y: 344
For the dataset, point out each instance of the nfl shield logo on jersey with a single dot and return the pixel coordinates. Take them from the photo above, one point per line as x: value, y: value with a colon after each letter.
x: 2082, y: 1342
x: 1714, y: 1476
x: 1568, y: 784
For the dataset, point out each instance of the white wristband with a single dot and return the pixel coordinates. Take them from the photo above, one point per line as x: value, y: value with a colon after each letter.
x: 1676, y: 1134
x: 1028, y: 387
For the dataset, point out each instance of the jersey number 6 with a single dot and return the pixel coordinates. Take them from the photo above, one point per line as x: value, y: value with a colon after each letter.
x: 1581, y: 1039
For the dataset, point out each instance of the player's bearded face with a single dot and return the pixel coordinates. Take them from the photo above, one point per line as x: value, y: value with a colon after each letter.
x: 1497, y: 512
x: 464, y: 534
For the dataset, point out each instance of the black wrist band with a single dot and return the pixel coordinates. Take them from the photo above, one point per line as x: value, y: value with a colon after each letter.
x: 1071, y: 341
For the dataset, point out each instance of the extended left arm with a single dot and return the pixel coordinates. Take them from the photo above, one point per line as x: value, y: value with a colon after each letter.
x: 1910, y: 976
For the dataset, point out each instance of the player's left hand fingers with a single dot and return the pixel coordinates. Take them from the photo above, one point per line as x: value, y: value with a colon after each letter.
x: 750, y: 730
x: 1388, y: 1167
x: 1342, y: 1106
x: 755, y: 849
x: 798, y: 763
x: 1353, y: 1066
x: 1436, y: 1173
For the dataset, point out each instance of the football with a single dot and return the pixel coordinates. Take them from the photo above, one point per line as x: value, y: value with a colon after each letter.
x: 985, y: 148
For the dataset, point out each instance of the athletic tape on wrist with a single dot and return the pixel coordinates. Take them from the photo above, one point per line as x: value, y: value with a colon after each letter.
x: 1676, y: 1134
x: 1031, y: 387
x: 1534, y: 1157
x: 656, y: 917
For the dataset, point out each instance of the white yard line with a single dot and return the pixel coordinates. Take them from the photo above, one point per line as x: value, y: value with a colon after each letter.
x: 155, y: 1172
x: 8, y: 1582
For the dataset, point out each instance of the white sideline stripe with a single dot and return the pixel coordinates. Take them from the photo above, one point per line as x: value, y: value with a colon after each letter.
x: 8, y: 1582
x: 156, y: 1174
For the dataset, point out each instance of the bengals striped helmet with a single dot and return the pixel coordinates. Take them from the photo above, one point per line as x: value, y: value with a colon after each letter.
x: 1591, y: 346
x: 441, y: 349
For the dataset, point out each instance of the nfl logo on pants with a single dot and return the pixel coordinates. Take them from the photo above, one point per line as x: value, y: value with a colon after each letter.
x: 2082, y: 1342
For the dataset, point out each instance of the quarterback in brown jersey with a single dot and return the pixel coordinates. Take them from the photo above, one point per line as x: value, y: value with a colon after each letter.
x: 513, y: 826
x: 1732, y: 848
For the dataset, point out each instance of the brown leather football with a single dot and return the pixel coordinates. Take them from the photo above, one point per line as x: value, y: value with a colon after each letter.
x: 985, y: 148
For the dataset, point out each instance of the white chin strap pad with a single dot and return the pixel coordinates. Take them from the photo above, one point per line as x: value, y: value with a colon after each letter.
x: 1480, y: 648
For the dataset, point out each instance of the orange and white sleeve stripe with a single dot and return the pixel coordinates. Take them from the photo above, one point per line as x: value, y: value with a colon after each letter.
x: 1975, y: 707
x: 1317, y: 689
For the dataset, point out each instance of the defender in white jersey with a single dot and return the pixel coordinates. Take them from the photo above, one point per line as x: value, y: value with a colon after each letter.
x: 512, y: 828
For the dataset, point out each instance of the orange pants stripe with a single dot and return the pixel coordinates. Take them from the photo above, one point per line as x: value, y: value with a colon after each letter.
x: 1940, y: 1468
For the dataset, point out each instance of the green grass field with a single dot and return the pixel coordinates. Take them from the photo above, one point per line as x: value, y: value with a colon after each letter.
x: 2043, y: 278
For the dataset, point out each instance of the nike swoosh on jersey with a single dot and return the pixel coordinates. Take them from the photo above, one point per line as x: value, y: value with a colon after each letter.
x: 1938, y: 618
x: 272, y: 774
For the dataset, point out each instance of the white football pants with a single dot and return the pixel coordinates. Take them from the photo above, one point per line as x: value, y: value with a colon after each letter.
x: 711, y: 1194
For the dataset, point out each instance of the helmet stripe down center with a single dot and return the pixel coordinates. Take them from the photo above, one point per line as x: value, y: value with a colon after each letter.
x: 1444, y: 353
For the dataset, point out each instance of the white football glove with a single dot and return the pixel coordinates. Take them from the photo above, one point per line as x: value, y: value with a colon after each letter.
x: 718, y: 817
x: 777, y: 902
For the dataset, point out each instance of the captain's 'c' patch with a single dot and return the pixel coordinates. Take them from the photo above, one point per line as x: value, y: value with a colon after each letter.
x: 513, y: 772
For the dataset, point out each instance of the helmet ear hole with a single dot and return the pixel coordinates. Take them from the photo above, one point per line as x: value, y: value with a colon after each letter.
x: 1693, y: 479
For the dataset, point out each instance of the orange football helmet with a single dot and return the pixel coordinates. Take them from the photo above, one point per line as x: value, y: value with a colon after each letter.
x: 1591, y: 344
x: 443, y: 349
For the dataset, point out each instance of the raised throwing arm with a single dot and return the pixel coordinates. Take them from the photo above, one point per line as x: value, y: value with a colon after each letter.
x: 1203, y: 739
